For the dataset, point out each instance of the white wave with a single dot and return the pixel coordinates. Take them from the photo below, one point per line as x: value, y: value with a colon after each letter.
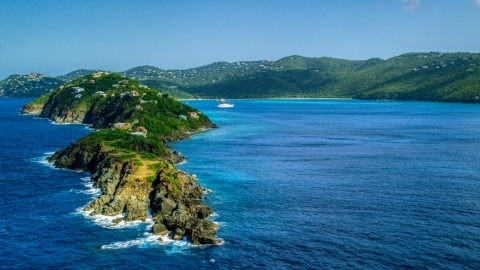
x: 55, y: 123
x: 142, y: 242
x: 91, y: 190
x: 149, y: 240
x: 43, y: 160
x: 181, y: 163
x: 107, y: 221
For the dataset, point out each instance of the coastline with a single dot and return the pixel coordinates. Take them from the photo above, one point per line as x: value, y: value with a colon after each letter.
x: 126, y: 196
x: 134, y: 172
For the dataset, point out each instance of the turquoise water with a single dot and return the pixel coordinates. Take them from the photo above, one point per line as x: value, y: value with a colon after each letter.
x: 321, y: 184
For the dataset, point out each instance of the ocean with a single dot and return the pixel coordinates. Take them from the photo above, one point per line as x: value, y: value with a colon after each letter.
x: 297, y: 184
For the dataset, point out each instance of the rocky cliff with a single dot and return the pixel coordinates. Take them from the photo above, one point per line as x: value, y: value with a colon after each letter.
x: 32, y: 109
x: 175, y: 199
x: 131, y: 167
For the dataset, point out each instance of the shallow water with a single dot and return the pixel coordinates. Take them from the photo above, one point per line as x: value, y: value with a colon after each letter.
x: 297, y: 184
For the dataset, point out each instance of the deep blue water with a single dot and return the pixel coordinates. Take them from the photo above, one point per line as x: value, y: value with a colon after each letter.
x: 319, y: 184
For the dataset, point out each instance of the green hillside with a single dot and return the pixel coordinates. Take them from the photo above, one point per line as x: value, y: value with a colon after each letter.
x: 452, y: 77
x: 29, y: 85
x: 127, y: 155
x: 76, y: 74
x: 103, y: 99
x: 433, y: 76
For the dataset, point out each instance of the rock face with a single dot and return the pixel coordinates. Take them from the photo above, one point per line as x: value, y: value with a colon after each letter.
x: 175, y: 200
x: 32, y: 109
x: 62, y: 114
x: 177, y: 206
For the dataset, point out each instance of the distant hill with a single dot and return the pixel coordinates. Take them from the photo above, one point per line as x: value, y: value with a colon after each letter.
x: 76, y: 74
x: 451, y: 77
x: 433, y: 76
x: 29, y: 85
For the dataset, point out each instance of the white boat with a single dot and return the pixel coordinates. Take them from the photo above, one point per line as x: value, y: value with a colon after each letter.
x: 225, y: 105
x: 222, y: 100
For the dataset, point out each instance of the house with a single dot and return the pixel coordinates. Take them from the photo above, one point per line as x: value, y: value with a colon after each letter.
x: 78, y: 96
x: 138, y: 133
x: 143, y: 86
x: 99, y: 93
x: 193, y: 115
x: 121, y: 125
x: 138, y: 108
x: 182, y: 117
x: 91, y: 81
x: 142, y: 129
x: 123, y: 94
x: 146, y: 101
x: 123, y: 82
x: 133, y: 93
x: 77, y: 89
x: 115, y: 85
x: 99, y: 73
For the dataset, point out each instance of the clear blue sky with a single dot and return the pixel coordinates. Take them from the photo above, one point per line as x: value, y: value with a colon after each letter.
x: 56, y: 37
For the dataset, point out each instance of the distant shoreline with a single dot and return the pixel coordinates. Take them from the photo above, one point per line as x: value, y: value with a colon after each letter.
x: 256, y: 98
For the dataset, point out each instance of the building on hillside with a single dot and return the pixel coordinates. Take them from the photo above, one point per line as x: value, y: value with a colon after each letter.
x: 78, y: 96
x: 140, y: 133
x: 182, y: 117
x: 146, y: 101
x: 142, y: 129
x: 138, y: 108
x: 77, y: 89
x: 121, y: 125
x: 133, y: 93
x: 193, y: 115
x: 123, y: 82
x: 99, y: 93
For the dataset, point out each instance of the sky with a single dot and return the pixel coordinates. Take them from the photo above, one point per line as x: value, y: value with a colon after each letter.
x: 55, y: 37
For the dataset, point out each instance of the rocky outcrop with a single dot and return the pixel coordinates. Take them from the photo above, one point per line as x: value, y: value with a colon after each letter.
x: 175, y: 199
x: 177, y: 205
x: 32, y: 108
x: 63, y: 115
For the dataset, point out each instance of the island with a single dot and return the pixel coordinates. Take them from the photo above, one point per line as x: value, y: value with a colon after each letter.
x: 127, y: 156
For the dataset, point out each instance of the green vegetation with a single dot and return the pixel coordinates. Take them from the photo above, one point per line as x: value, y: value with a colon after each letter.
x: 433, y: 76
x: 156, y: 166
x: 30, y: 85
x: 452, y: 77
x: 133, y: 121
x: 76, y: 74
x: 169, y: 90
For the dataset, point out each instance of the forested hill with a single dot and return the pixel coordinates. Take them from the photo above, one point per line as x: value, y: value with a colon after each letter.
x: 29, y: 85
x: 433, y: 76
x: 452, y: 77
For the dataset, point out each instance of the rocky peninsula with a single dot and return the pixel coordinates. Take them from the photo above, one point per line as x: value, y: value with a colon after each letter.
x: 127, y: 156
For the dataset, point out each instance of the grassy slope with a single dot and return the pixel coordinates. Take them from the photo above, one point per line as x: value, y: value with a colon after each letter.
x: 160, y: 118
